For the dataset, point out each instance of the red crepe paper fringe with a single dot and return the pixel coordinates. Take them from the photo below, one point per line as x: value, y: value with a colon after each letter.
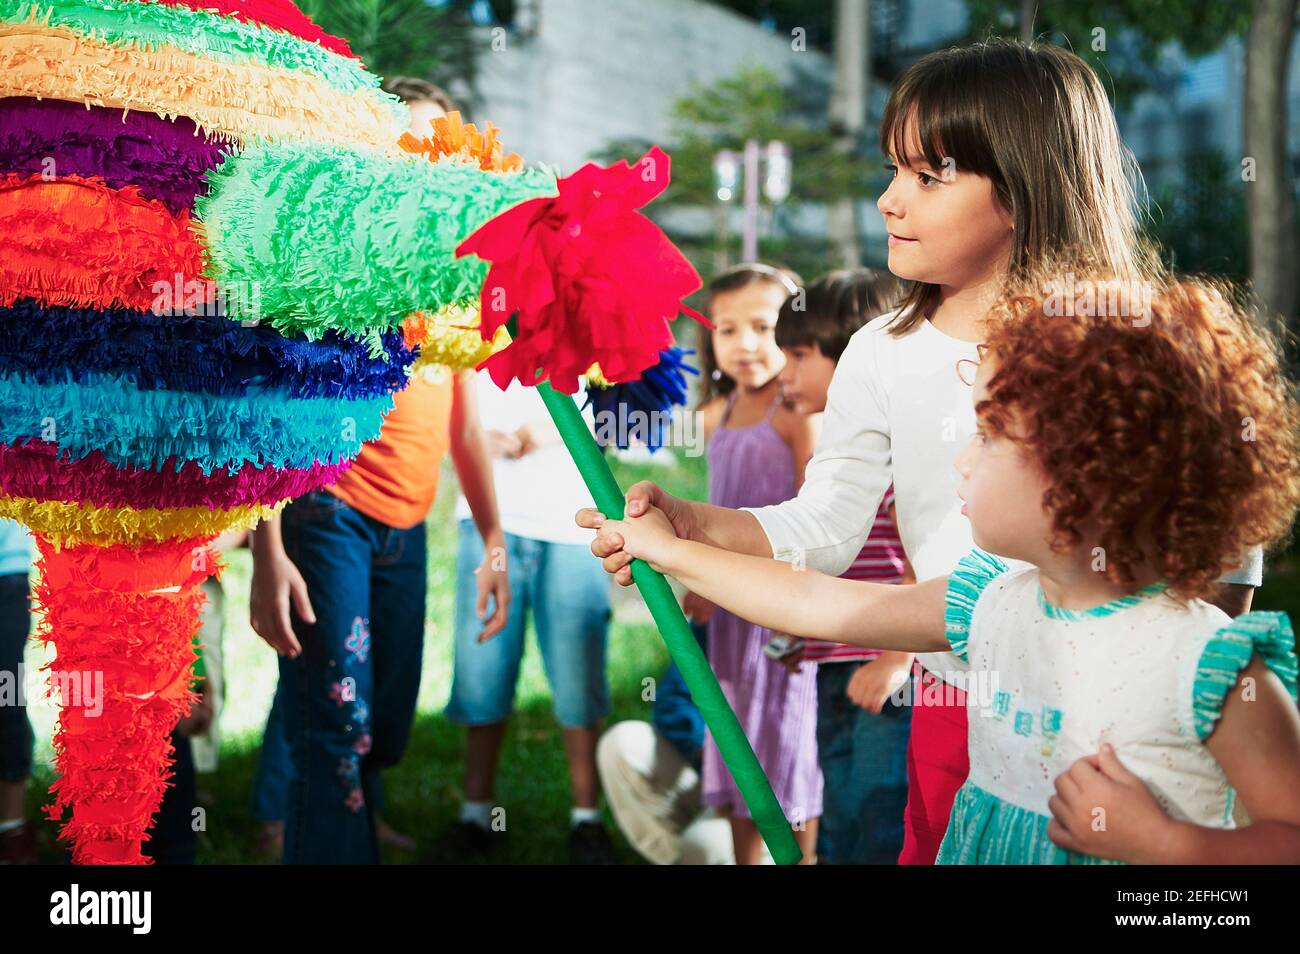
x: 129, y: 613
x: 75, y: 241
x: 587, y: 278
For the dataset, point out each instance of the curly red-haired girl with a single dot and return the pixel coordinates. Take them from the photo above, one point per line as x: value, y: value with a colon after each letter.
x: 1130, y: 440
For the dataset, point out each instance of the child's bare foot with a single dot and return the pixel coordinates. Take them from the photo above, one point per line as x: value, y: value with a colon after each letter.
x: 388, y: 835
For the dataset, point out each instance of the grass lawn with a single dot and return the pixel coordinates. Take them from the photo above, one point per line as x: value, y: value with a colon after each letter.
x: 423, y: 793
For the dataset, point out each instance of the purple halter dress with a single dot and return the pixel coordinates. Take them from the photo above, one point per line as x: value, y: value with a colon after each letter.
x: 753, y: 467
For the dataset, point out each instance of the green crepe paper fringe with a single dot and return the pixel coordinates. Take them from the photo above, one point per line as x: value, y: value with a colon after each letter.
x: 349, y: 241
x: 154, y: 25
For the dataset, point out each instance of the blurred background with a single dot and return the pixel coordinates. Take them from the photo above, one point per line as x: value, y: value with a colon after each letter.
x: 1202, y: 90
x: 769, y: 109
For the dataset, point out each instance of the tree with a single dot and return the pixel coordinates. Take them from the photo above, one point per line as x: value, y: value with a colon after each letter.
x: 1125, y: 41
x: 1200, y: 224
x: 850, y: 94
x: 405, y: 37
x: 1270, y: 197
x: 754, y: 104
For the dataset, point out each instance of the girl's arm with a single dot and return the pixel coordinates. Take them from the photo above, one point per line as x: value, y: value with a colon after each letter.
x: 473, y: 463
x: 276, y: 584
x: 800, y: 431
x: 469, y: 454
x: 824, y: 525
x: 788, y: 598
x: 1257, y: 743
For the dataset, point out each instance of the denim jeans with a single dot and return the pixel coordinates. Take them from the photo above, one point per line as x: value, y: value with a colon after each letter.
x: 274, y: 767
x: 348, y: 702
x: 172, y: 839
x: 16, y: 738
x: 863, y: 758
x: 675, y: 715
x: 568, y: 593
x: 274, y: 772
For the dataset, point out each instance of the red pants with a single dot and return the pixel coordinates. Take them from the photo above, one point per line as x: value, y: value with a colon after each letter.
x: 937, y: 765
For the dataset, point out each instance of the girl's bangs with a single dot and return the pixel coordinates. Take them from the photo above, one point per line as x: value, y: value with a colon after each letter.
x: 940, y: 112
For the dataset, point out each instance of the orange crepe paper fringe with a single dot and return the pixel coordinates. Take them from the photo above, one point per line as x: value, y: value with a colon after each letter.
x: 464, y: 143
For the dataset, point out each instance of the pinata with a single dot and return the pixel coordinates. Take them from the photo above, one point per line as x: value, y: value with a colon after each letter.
x: 220, y: 255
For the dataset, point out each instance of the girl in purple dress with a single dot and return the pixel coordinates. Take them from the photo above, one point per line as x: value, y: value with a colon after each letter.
x: 757, y: 451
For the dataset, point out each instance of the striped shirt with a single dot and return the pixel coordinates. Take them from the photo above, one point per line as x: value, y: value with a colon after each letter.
x: 880, y: 561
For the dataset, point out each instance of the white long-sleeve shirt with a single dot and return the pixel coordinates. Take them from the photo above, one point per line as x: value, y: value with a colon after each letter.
x: 898, y: 409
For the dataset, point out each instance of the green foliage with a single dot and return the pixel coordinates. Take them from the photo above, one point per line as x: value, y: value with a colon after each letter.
x: 1200, y: 223
x: 817, y: 19
x: 754, y: 104
x: 404, y: 37
x: 1136, y: 32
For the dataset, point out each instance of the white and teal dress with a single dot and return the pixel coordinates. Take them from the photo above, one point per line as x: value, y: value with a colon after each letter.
x: 1049, y: 686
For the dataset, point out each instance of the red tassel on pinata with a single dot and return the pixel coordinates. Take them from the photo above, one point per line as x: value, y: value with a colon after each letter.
x: 122, y: 621
x: 589, y: 278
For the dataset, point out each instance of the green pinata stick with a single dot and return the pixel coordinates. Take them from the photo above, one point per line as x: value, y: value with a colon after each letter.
x: 705, y: 691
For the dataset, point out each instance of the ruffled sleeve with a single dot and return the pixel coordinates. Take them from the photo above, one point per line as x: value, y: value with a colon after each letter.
x: 965, y: 584
x: 1268, y: 635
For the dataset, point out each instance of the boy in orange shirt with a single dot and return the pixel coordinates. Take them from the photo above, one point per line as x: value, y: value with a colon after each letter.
x: 346, y: 564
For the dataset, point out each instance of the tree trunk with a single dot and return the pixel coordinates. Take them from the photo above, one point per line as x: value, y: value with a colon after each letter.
x: 1027, y: 10
x: 848, y: 116
x: 1270, y: 198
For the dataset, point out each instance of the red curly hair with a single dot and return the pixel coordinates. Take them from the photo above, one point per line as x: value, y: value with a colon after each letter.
x: 1161, y: 414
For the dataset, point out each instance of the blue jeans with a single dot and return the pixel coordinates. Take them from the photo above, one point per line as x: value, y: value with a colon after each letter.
x: 16, y: 738
x: 863, y: 757
x: 675, y: 715
x: 274, y: 767
x: 172, y: 839
x: 568, y: 592
x: 348, y: 702
x: 275, y: 770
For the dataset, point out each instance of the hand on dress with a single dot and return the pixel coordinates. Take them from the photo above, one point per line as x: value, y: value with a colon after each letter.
x: 873, y: 683
x: 503, y: 445
x: 1102, y: 809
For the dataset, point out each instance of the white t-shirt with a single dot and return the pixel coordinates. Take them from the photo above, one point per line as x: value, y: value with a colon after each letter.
x: 538, y: 494
x: 897, y: 410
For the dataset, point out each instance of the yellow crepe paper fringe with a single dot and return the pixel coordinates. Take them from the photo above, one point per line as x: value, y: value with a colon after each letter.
x: 227, y: 100
x: 450, y: 337
x: 66, y: 524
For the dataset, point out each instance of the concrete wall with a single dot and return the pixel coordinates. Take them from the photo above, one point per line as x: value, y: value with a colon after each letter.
x: 597, y: 70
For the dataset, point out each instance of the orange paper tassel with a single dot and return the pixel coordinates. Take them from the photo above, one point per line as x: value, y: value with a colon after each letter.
x: 464, y: 143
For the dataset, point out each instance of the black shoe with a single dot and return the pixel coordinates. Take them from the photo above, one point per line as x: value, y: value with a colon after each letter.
x: 589, y: 844
x: 461, y: 843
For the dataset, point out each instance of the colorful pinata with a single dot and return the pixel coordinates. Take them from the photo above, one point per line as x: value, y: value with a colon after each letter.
x: 185, y: 189
x: 220, y: 254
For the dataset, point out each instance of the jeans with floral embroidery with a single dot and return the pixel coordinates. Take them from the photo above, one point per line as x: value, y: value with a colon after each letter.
x: 348, y: 701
